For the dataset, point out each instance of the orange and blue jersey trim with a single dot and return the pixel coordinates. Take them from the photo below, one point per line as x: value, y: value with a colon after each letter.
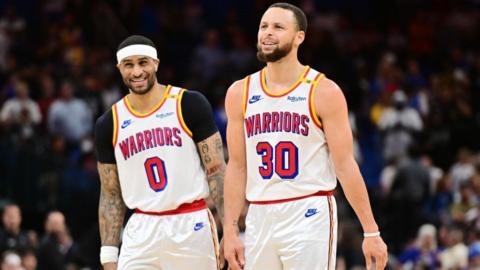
x: 246, y: 87
x: 330, y: 238
x: 115, y: 125
x: 180, y: 115
x: 284, y: 92
x: 216, y: 244
x: 156, y: 108
x: 311, y: 97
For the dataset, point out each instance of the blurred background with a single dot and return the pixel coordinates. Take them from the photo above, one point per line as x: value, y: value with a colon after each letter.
x: 410, y: 71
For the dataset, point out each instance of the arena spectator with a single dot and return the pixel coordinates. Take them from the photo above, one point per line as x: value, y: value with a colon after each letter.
x: 11, y: 261
x: 422, y: 254
x: 69, y: 116
x: 12, y: 237
x: 21, y: 114
x: 57, y: 248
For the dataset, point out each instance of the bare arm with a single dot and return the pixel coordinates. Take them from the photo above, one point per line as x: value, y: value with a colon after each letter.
x: 211, y: 153
x: 111, y: 208
x: 236, y: 174
x: 331, y: 107
x: 235, y: 177
x: 332, y: 110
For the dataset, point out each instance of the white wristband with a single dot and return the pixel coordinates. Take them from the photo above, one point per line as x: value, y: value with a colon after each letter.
x: 108, y: 254
x: 373, y: 234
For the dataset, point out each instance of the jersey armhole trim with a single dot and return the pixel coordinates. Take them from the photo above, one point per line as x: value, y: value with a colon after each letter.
x: 246, y: 86
x: 180, y: 115
x: 311, y: 103
x: 115, y: 125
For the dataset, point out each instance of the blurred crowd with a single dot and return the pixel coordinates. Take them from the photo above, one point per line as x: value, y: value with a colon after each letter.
x: 410, y: 71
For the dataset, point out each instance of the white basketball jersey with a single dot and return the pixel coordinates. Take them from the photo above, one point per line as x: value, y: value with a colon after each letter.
x: 157, y: 160
x: 287, y: 154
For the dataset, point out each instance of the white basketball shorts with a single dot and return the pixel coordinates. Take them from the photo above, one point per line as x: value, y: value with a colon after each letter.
x: 293, y: 235
x: 170, y: 242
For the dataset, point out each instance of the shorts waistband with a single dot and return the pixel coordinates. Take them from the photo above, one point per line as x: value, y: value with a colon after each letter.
x: 182, y: 209
x: 319, y: 193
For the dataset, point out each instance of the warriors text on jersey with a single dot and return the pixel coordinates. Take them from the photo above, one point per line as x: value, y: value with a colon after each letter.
x: 287, y: 155
x: 148, y: 150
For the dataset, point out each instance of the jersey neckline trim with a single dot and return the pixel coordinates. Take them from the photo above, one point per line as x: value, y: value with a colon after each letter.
x: 269, y: 92
x: 143, y: 115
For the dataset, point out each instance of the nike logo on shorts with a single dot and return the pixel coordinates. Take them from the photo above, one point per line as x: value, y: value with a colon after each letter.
x: 198, y: 226
x: 310, y: 212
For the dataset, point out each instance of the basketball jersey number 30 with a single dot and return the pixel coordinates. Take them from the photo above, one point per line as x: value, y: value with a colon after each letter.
x: 281, y: 158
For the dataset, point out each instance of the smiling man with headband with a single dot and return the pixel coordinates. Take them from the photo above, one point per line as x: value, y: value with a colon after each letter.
x: 141, y: 144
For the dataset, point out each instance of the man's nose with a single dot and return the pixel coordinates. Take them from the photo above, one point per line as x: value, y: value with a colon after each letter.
x: 137, y: 71
x: 268, y: 31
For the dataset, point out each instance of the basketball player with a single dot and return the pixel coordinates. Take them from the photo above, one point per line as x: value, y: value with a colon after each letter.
x: 289, y: 139
x: 159, y: 153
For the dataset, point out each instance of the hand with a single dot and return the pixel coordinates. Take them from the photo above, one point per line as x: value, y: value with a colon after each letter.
x: 234, y: 250
x: 376, y: 248
x: 110, y: 266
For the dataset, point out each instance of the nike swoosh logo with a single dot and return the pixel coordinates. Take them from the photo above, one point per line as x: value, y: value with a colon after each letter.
x: 254, y: 99
x: 311, y: 212
x: 198, y: 226
x: 126, y: 123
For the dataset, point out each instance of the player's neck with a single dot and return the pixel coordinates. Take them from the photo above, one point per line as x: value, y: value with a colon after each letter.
x: 145, y: 103
x: 283, y: 73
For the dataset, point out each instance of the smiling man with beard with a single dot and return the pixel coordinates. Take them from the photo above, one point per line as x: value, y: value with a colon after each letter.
x: 288, y: 176
x: 171, y: 227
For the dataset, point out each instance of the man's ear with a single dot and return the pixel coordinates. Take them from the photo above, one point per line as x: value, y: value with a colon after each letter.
x: 300, y: 37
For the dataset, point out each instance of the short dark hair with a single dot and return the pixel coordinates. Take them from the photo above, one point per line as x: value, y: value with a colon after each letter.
x: 297, y: 12
x: 135, y: 39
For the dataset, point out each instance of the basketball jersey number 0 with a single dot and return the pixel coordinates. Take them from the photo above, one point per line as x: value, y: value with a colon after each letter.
x: 156, y: 173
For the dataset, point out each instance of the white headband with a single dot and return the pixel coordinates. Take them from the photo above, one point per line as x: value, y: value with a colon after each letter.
x: 136, y: 49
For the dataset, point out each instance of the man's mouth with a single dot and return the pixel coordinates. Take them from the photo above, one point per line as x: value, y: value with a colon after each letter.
x: 269, y: 44
x: 138, y: 82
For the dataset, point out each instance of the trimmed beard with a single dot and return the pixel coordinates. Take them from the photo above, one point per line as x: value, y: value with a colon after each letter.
x: 277, y: 54
x: 150, y: 82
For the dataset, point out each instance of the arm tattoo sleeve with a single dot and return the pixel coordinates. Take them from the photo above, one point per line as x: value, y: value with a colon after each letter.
x: 111, y: 208
x: 211, y: 153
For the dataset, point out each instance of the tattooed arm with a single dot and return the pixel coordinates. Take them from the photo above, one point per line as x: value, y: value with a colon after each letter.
x: 111, y: 208
x: 211, y: 153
